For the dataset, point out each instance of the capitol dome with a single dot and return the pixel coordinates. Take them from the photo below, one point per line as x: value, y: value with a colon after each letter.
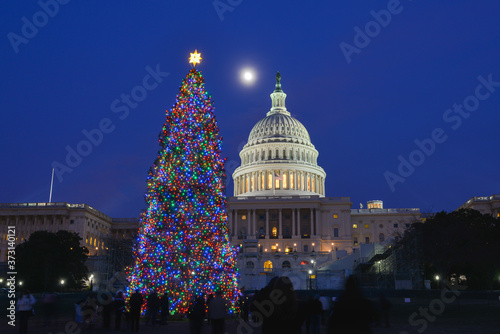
x: 279, y: 126
x: 279, y: 158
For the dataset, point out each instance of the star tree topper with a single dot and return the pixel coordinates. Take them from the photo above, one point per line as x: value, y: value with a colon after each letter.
x: 195, y: 58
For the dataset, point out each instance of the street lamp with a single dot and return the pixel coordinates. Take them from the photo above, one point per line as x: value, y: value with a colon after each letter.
x: 62, y: 282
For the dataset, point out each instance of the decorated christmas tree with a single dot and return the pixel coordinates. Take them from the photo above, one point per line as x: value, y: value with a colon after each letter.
x: 183, y: 246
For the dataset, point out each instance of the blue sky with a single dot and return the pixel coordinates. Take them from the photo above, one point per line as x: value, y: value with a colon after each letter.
x: 364, y: 109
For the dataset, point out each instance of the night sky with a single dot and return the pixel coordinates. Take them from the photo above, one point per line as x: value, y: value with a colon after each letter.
x: 364, y: 107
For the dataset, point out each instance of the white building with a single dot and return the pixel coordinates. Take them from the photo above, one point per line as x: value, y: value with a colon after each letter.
x: 93, y: 226
x: 280, y: 215
x: 486, y: 205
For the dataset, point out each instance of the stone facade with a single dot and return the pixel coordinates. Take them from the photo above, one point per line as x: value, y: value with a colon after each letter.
x: 279, y: 215
x: 90, y: 224
x: 485, y: 204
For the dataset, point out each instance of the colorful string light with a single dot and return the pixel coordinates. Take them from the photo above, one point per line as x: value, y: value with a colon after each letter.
x: 183, y: 246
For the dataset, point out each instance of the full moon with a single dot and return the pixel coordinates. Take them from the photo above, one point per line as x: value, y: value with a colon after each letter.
x: 247, y: 76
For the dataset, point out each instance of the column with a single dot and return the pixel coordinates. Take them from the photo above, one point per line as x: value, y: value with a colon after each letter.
x: 299, y: 232
x: 312, y: 222
x: 267, y: 223
x: 282, y: 185
x: 249, y: 229
x: 273, y: 182
x: 293, y: 223
x: 235, y: 223
x: 254, y: 222
x: 280, y: 232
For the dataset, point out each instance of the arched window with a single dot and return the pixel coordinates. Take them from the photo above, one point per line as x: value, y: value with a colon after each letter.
x: 268, y: 266
x: 250, y: 265
x: 381, y: 237
x: 286, y: 265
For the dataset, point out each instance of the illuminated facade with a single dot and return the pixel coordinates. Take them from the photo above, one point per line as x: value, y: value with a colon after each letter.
x: 485, y: 204
x: 93, y: 226
x: 280, y: 216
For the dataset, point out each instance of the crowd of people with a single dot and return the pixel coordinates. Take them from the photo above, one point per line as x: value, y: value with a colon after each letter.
x: 276, y: 308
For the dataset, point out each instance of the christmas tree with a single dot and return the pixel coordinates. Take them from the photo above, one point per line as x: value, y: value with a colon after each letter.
x: 183, y: 246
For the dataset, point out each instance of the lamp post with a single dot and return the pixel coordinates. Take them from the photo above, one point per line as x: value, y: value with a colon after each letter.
x: 437, y: 281
x: 310, y: 279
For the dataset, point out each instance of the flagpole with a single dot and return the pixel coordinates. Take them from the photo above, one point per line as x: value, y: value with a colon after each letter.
x: 274, y: 183
x: 51, y: 184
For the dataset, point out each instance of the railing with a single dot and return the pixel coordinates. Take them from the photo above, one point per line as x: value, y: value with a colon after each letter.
x: 369, y: 211
x: 483, y: 199
x: 55, y: 205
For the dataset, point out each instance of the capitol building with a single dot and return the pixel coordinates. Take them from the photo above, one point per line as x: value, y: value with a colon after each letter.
x: 282, y: 219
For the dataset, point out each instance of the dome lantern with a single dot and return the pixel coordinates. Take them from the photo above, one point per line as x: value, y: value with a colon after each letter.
x: 278, y: 99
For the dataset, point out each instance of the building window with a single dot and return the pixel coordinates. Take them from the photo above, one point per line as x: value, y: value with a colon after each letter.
x: 244, y: 217
x: 286, y: 265
x: 336, y: 232
x: 72, y: 221
x: 335, y: 216
x: 396, y: 225
x: 250, y: 265
x: 269, y: 181
x: 381, y: 226
x: 275, y: 232
x: 367, y: 240
x: 354, y: 225
x: 367, y: 225
x: 355, y: 241
x: 407, y: 225
x: 306, y: 248
x: 268, y: 266
x: 381, y: 237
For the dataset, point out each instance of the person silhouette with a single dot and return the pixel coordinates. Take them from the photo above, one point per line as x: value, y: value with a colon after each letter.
x: 352, y: 313
x: 284, y: 316
x: 136, y: 302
